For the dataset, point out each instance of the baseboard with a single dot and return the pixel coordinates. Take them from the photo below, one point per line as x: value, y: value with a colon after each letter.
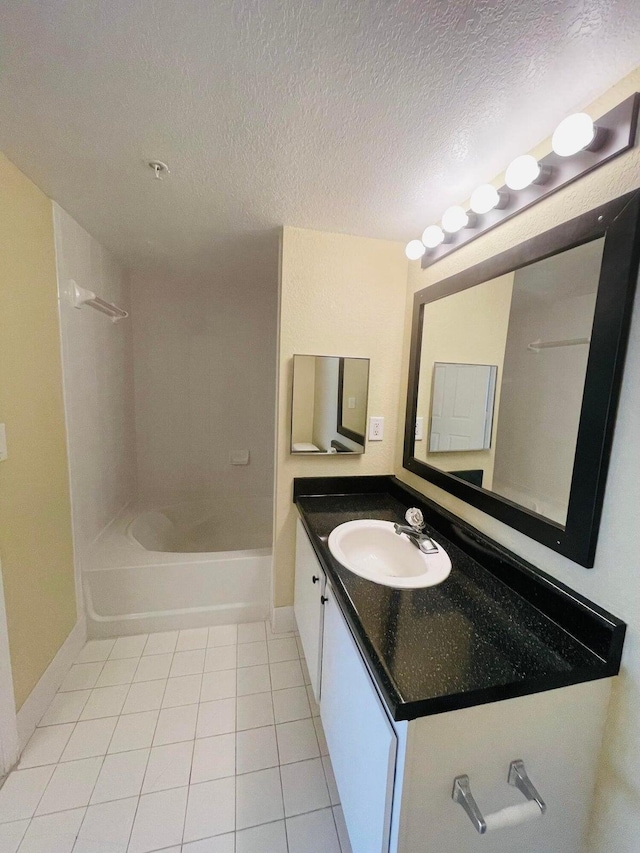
x: 282, y: 620
x: 42, y: 694
x: 8, y: 725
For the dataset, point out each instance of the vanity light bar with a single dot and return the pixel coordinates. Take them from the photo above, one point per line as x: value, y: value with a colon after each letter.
x: 579, y: 146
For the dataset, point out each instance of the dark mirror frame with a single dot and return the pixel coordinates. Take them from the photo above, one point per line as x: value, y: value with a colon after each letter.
x: 618, y: 222
x: 340, y: 428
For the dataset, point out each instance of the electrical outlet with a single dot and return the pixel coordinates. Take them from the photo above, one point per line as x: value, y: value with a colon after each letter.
x: 376, y: 429
x: 419, y: 429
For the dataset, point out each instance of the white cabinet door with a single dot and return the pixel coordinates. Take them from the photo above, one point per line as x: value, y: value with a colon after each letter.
x: 362, y: 742
x: 310, y: 588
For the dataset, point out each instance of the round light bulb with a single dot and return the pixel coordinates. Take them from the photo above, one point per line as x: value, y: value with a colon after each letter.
x: 414, y: 250
x: 454, y: 218
x: 432, y: 236
x: 573, y: 134
x: 484, y: 199
x: 521, y: 172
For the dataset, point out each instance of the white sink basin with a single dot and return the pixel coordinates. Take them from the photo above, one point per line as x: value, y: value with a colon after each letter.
x: 373, y: 550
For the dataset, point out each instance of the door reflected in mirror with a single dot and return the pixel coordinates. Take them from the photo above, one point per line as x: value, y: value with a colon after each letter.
x: 329, y: 404
x: 501, y: 379
x: 462, y: 407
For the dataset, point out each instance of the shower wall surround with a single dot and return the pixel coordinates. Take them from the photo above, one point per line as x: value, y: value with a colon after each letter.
x: 204, y: 356
x: 98, y: 383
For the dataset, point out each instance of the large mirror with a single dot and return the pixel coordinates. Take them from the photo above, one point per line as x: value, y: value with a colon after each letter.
x: 329, y: 404
x: 519, y: 433
x: 515, y: 372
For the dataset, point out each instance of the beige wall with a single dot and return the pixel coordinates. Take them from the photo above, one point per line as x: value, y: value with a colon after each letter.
x: 614, y: 582
x: 35, y: 514
x: 468, y: 327
x: 339, y: 295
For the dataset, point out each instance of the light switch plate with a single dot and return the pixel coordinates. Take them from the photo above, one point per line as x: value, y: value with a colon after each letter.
x: 376, y: 429
x: 3, y: 443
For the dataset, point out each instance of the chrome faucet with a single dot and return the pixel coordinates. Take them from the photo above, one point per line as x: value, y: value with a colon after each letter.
x: 414, y: 531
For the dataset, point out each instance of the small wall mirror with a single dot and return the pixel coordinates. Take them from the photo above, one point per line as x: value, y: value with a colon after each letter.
x: 329, y: 404
x: 515, y: 370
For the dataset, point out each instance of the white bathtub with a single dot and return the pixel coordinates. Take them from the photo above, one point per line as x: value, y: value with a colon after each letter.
x: 160, y: 569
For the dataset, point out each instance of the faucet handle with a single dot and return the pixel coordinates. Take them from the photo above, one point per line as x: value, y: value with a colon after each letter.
x: 415, y: 518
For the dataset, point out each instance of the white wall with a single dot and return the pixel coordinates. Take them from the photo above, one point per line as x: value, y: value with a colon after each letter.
x: 542, y: 391
x: 204, y: 360
x: 614, y: 581
x: 98, y: 383
x: 325, y: 402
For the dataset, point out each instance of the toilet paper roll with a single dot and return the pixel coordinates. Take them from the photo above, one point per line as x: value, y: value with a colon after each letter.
x: 512, y: 815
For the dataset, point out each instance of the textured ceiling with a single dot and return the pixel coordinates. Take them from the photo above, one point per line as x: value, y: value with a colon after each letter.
x: 360, y: 116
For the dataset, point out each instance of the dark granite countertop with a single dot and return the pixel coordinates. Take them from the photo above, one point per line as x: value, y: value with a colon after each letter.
x: 494, y: 629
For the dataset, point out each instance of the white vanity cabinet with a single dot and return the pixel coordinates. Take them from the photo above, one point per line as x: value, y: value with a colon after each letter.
x: 395, y: 779
x: 309, y: 595
x: 361, y: 738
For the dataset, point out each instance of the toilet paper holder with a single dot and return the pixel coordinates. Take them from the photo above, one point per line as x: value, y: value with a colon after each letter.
x: 509, y: 816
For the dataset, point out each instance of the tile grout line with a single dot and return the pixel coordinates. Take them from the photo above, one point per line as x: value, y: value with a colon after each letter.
x: 335, y: 823
x: 235, y: 748
x: 193, y: 748
x: 104, y: 758
x: 146, y: 767
x: 57, y: 763
x: 195, y: 732
x: 268, y: 665
x: 130, y: 686
x: 275, y: 729
x: 235, y: 758
x: 186, y: 807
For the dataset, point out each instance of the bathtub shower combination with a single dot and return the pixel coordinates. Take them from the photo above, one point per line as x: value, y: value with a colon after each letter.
x: 191, y: 564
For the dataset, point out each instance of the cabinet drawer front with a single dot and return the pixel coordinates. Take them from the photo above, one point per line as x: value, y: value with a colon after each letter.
x: 362, y: 742
x: 308, y: 605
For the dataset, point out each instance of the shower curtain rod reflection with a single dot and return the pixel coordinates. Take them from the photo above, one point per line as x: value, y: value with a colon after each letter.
x: 81, y: 296
x: 534, y: 346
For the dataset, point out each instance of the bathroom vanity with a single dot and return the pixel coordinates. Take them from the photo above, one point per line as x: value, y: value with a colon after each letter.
x: 491, y: 686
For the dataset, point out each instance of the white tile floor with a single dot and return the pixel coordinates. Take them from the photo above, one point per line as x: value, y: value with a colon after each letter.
x: 200, y: 741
